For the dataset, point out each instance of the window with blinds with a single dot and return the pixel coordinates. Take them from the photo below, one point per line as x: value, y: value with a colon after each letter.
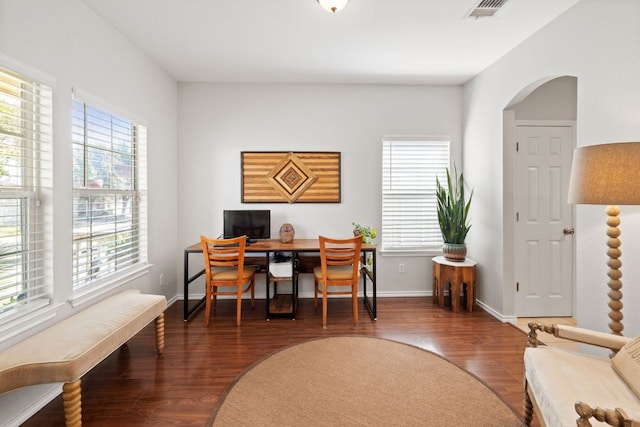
x: 109, y: 192
x: 25, y: 191
x: 409, y: 171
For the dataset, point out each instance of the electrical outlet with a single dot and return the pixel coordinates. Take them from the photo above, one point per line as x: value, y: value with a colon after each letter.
x: 161, y: 279
x: 400, y: 268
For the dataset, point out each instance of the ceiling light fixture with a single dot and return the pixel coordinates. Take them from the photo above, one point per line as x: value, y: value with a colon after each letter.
x: 333, y: 5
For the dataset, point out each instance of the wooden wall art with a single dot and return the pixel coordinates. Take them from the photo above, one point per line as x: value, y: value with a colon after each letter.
x: 288, y: 177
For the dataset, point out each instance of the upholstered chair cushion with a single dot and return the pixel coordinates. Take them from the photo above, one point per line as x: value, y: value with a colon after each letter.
x: 627, y: 364
x: 559, y: 378
x: 335, y: 272
x: 231, y: 273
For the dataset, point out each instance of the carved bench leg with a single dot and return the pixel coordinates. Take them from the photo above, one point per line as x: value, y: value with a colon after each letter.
x: 71, y: 395
x: 160, y: 333
x: 527, y: 407
x: 613, y: 417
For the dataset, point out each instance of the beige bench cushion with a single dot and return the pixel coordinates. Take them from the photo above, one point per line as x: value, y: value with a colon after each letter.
x: 559, y: 378
x: 68, y: 349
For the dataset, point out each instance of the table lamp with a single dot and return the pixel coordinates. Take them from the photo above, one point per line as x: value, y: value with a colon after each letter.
x: 608, y: 174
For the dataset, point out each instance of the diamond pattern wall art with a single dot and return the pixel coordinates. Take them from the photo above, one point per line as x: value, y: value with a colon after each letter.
x: 291, y: 177
x: 288, y: 177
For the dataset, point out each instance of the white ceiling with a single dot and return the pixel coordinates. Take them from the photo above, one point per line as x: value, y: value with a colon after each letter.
x: 296, y: 41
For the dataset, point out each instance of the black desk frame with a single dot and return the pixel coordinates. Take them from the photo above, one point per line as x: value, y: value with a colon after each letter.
x: 370, y: 303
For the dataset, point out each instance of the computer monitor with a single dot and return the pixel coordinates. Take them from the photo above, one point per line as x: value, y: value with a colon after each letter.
x: 255, y: 224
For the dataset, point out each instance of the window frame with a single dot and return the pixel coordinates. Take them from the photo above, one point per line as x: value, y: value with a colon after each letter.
x: 391, y: 243
x: 28, y: 182
x: 136, y: 261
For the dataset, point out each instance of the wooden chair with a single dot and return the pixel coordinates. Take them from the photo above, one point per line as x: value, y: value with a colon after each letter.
x: 224, y: 266
x: 339, y: 268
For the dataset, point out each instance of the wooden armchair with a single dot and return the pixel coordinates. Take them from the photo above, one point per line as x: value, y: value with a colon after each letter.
x: 567, y: 388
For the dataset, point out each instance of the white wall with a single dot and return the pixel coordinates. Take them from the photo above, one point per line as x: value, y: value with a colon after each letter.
x: 72, y: 45
x: 554, y: 100
x: 75, y: 48
x: 601, y: 47
x: 217, y: 122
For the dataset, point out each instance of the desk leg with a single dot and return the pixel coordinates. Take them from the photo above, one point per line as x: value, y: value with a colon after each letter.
x: 371, y: 305
x: 375, y: 290
x: 267, y: 285
x: 294, y: 276
x: 187, y: 281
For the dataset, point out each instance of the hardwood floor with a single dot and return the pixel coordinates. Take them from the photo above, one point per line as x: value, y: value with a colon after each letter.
x: 135, y: 387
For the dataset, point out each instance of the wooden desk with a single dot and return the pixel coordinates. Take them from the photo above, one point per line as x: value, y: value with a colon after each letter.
x: 265, y: 248
x: 457, y: 274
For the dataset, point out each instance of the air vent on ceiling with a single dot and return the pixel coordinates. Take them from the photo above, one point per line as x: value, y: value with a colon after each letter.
x: 486, y: 8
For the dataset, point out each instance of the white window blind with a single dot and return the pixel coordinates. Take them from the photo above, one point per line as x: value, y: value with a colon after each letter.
x: 409, y: 171
x: 25, y: 191
x: 109, y: 195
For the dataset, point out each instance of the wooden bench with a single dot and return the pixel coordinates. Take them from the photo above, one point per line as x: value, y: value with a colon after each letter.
x: 67, y: 350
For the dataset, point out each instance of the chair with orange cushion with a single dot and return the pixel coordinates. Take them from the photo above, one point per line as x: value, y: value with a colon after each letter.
x: 340, y: 268
x: 224, y: 267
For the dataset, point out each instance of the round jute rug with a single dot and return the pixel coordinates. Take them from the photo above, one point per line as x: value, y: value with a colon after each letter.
x: 359, y: 381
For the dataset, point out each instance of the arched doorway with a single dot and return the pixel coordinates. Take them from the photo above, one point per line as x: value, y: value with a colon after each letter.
x: 540, y: 126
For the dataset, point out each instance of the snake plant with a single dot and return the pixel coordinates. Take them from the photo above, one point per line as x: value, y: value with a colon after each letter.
x: 453, y: 208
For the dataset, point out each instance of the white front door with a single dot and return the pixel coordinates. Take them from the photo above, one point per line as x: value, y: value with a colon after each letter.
x: 544, y: 222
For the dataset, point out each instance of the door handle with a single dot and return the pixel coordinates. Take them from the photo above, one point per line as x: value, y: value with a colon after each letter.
x: 569, y: 230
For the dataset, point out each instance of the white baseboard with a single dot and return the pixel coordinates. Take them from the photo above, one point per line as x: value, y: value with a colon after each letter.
x: 497, y: 315
x: 309, y: 294
x: 408, y: 294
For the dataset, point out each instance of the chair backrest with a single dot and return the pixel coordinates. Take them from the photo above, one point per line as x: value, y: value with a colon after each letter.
x: 340, y: 253
x: 223, y: 253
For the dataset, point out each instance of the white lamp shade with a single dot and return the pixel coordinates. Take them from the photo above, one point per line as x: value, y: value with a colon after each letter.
x: 606, y: 174
x: 333, y: 5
